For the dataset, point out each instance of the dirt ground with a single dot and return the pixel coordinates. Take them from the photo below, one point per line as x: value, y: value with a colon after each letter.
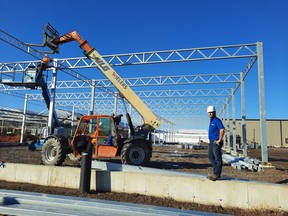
x: 164, y: 157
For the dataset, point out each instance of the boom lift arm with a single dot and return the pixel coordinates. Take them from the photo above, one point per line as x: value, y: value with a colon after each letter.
x: 150, y: 120
x: 39, y: 79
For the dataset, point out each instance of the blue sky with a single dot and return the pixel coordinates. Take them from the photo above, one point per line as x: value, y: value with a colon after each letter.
x: 125, y: 26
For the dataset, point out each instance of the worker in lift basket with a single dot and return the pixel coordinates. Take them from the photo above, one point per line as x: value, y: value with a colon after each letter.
x: 43, y: 65
x: 215, y: 135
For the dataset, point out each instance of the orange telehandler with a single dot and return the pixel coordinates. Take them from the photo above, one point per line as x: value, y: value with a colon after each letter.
x: 102, y: 130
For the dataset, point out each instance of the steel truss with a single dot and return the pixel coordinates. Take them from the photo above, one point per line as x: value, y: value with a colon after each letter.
x: 146, y: 81
x: 153, y: 57
x: 169, y: 108
x: 143, y: 94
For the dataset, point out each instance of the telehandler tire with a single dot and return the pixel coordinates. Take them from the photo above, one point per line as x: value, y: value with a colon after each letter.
x: 135, y: 154
x: 52, y: 152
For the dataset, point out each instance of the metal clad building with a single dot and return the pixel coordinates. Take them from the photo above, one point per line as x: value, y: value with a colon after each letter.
x: 277, y: 131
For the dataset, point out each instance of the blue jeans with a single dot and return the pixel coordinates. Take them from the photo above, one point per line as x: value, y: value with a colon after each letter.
x: 215, y: 157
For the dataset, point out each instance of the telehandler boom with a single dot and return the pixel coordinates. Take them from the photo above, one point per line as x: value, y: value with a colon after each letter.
x: 102, y: 130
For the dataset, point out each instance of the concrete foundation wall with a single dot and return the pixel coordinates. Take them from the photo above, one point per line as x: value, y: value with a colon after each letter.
x: 198, y: 189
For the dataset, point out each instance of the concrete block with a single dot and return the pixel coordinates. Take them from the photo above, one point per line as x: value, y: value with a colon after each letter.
x: 262, y: 195
x: 56, y: 177
x: 187, y: 188
x: 206, y: 192
x: 232, y: 195
x: 155, y: 187
x: 33, y: 174
x: 38, y: 176
x: 135, y: 183
x: 118, y: 182
x: 283, y: 197
x: 72, y: 178
x: 8, y: 173
x: 181, y: 188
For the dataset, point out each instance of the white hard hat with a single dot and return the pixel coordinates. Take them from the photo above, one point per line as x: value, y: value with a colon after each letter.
x: 211, y: 109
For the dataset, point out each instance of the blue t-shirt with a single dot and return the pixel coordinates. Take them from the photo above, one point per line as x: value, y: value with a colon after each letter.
x: 214, y: 127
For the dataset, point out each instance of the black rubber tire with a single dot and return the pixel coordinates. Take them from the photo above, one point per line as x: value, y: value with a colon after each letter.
x: 52, y: 152
x: 135, y: 154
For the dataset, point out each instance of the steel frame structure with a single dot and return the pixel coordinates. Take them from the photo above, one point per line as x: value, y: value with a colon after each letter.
x: 252, y: 51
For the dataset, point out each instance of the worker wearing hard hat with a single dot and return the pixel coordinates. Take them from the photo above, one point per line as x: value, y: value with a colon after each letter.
x: 215, y: 135
x: 45, y: 63
x: 42, y: 66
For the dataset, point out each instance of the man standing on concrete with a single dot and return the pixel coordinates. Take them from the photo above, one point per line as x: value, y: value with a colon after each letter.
x: 215, y: 135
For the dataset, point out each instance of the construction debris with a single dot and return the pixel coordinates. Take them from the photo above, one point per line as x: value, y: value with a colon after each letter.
x: 241, y: 163
x: 191, y: 146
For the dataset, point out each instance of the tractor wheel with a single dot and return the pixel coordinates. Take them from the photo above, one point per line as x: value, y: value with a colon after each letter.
x: 135, y: 154
x: 52, y: 152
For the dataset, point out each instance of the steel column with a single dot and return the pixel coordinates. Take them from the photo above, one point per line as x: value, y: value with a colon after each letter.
x: 234, y: 122
x: 243, y: 112
x: 130, y: 113
x: 53, y: 96
x: 225, y: 124
x: 262, y: 107
x: 72, y: 121
x: 115, y: 103
x: 24, y: 120
x: 228, y: 126
x: 92, y: 100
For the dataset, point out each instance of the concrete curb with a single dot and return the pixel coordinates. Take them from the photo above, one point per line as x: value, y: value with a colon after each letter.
x: 197, y: 189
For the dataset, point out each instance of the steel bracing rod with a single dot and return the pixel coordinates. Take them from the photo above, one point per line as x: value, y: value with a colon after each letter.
x: 165, y: 56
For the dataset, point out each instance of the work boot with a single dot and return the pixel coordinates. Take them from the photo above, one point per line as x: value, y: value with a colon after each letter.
x: 213, y: 177
x: 210, y: 174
